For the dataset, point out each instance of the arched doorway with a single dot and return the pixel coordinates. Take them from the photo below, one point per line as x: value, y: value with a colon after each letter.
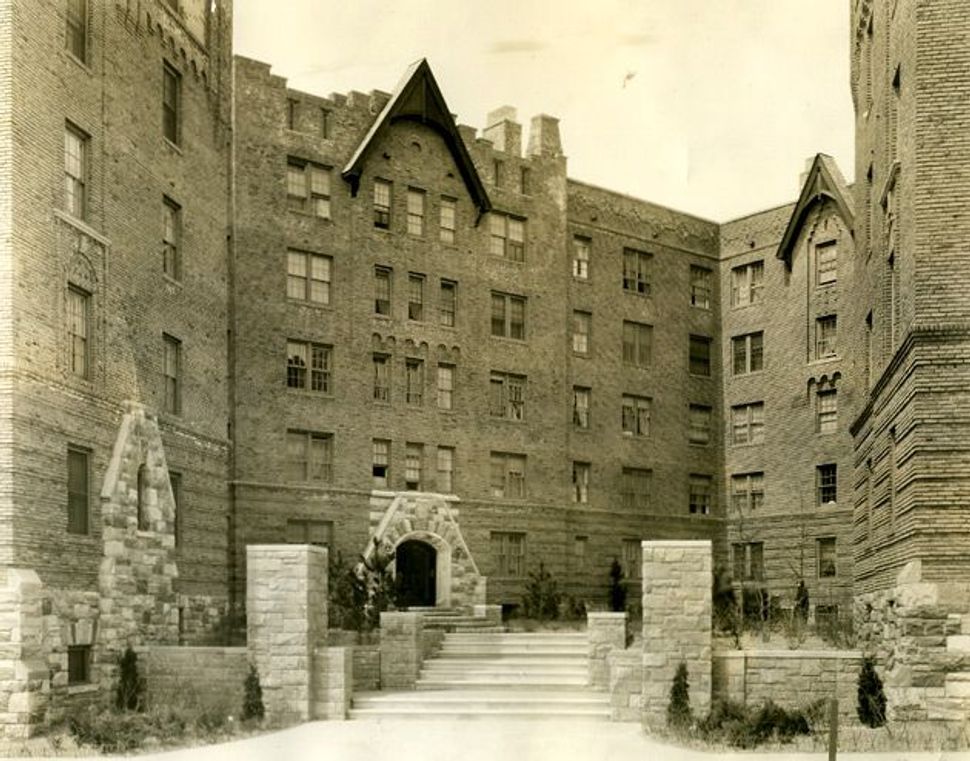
x: 415, y: 563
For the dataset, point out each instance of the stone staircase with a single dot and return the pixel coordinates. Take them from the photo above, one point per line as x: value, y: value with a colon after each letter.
x: 497, y: 675
x: 455, y: 620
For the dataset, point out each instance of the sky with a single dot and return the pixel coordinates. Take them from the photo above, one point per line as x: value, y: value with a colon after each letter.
x: 707, y: 106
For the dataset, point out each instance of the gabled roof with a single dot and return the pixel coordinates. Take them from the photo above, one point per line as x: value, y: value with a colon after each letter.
x: 823, y: 182
x: 417, y: 98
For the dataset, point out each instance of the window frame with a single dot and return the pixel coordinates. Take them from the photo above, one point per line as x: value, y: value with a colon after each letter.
x: 171, y: 238
x: 508, y: 549
x: 582, y: 473
x: 581, y: 411
x: 830, y: 272
x: 413, y: 465
x: 582, y: 332
x: 701, y: 279
x: 171, y: 111
x: 309, y: 282
x: 826, y: 420
x: 582, y: 246
x: 76, y: 182
x: 708, y: 428
x: 446, y: 391
x: 637, y: 342
x: 826, y: 567
x: 445, y: 483
x: 511, y: 387
x: 633, y: 421
x: 382, y: 275
x: 76, y: 20
x: 826, y: 337
x: 312, y: 198
x: 172, y: 361
x: 447, y: 305
x: 746, y: 289
x: 416, y: 203
x: 416, y: 283
x: 748, y: 491
x: 747, y: 418
x: 78, y: 494
x: 413, y: 381
x: 508, y: 302
x: 503, y: 463
x: 316, y: 456
x: 75, y: 295
x: 826, y: 484
x: 312, y: 376
x: 700, y: 501
x: 632, y: 497
x: 502, y: 244
x: 78, y: 665
x: 637, y: 267
x: 381, y: 458
x: 381, y: 363
x: 382, y: 206
x: 448, y: 220
x: 746, y: 343
x: 696, y: 359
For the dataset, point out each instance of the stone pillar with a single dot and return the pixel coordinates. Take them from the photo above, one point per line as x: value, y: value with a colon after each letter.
x: 676, y: 625
x: 286, y: 618
x: 24, y: 676
x: 333, y: 684
x: 491, y: 613
x: 606, y: 632
x: 400, y: 650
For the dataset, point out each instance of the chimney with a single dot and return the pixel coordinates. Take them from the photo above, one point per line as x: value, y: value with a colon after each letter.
x: 544, y: 137
x: 504, y: 132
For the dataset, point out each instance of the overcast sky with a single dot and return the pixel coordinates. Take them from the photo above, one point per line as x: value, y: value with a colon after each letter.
x: 708, y: 106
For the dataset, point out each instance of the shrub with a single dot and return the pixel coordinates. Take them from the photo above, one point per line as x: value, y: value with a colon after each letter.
x: 617, y: 590
x: 741, y: 726
x: 678, y: 709
x: 872, y: 698
x: 542, y: 596
x: 252, y: 708
x: 359, y: 592
x: 801, y: 601
x: 131, y: 687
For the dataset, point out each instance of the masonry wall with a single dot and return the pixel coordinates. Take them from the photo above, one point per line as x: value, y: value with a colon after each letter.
x: 207, y: 675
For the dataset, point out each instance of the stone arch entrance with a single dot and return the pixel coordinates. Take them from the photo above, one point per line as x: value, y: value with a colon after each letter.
x: 416, y: 572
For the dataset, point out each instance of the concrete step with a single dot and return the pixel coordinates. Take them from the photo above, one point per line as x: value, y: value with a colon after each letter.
x: 449, y: 650
x: 570, y: 715
x: 508, y: 682
x: 482, y: 700
x: 496, y: 667
x: 573, y: 637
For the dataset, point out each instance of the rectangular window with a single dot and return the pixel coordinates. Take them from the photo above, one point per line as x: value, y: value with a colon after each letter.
x: 748, y: 353
x: 581, y: 397
x: 524, y: 184
x: 747, y: 491
x: 413, y: 457
x: 827, y: 484
x: 382, y: 291
x: 78, y: 664
x: 292, y: 107
x: 635, y: 415
x: 636, y: 272
x: 171, y: 103
x: 171, y: 236
x: 826, y: 415
x: 637, y: 343
x: 414, y: 382
x: 446, y: 386
x: 382, y: 204
x: 507, y: 237
x: 825, y: 550
x: 308, y: 187
x: 582, y: 322
x: 507, y: 475
x: 78, y: 490
x: 175, y: 483
x: 172, y: 374
x: 307, y: 531
x: 635, y: 488
x: 581, y: 472
x: 321, y: 372
x: 700, y: 355
x: 308, y: 277
x: 415, y: 297
x: 826, y: 329
x: 78, y: 314
x: 581, y: 247
x: 580, y: 544
x: 447, y: 303
x: 508, y: 316
x: 324, y: 123
x: 446, y: 470
x: 302, y: 356
x: 75, y: 171
x: 415, y: 211
x: 507, y: 396
x: 701, y: 494
x: 632, y: 558
x: 700, y: 287
x: 699, y: 431
x: 76, y: 39
x: 309, y: 456
x: 381, y: 460
x: 748, y: 423
x: 382, y: 382
x: 826, y: 263
x: 446, y: 229
x: 296, y: 185
x: 749, y: 561
x: 508, y: 553
x: 747, y: 284
x: 319, y: 191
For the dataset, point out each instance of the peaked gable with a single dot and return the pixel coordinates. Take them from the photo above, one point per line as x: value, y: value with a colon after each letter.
x: 824, y: 181
x: 418, y: 98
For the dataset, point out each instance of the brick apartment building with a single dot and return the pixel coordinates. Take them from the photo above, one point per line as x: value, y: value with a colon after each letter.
x: 237, y: 313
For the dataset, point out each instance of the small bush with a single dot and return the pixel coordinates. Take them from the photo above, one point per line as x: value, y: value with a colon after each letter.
x: 742, y: 726
x: 872, y: 697
x: 131, y: 687
x: 801, y: 601
x: 542, y: 597
x: 678, y: 709
x: 617, y: 589
x: 253, y: 708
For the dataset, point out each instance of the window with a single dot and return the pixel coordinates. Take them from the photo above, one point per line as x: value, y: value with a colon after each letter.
x: 76, y: 39
x: 382, y: 385
x: 524, y: 184
x: 382, y: 204
x: 826, y: 263
x: 748, y: 423
x: 700, y: 287
x: 632, y: 558
x: 508, y: 553
x: 78, y: 664
x: 381, y: 460
x: 748, y: 353
x: 75, y: 171
x: 382, y: 291
x: 318, y: 357
x: 507, y: 396
x: 307, y: 531
x: 825, y: 550
x: 77, y: 490
x: 635, y: 488
x: 508, y: 316
x: 580, y: 544
x: 827, y: 484
x: 414, y: 382
x: 581, y: 248
x: 308, y: 277
x: 825, y: 336
x: 171, y: 97
x: 507, y: 476
x: 507, y: 237
x: 581, y: 328
x: 581, y: 482
x: 141, y: 490
x: 308, y: 187
x: 581, y: 407
x: 446, y: 229
x: 415, y: 297
x: 175, y: 482
x: 446, y: 386
x: 700, y: 494
x: 292, y: 108
x: 309, y: 456
x: 78, y: 313
x: 637, y: 343
x: 446, y: 469
x: 172, y: 374
x: 699, y: 431
x: 171, y: 237
x: 747, y: 283
x: 636, y: 272
x: 413, y: 456
x: 826, y: 406
x: 700, y: 355
x: 747, y: 491
x: 749, y: 561
x: 635, y: 415
x: 324, y: 123
x: 415, y: 211
x: 447, y: 298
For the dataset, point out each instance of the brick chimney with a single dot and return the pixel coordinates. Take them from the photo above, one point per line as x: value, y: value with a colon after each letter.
x: 544, y: 137
x: 504, y: 131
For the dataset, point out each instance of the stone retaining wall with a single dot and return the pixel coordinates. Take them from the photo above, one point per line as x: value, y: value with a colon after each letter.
x: 625, y: 684
x: 210, y: 675
x: 332, y: 683
x: 401, y: 650
x: 606, y: 632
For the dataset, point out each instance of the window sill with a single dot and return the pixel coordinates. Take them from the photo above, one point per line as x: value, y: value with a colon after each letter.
x: 755, y: 373
x: 580, y: 429
x: 377, y: 316
x: 308, y: 215
x: 826, y: 286
x: 173, y: 146
x: 738, y: 307
x: 697, y: 375
x: 507, y: 339
x: 82, y: 689
x: 310, y: 393
x: 503, y: 419
x: 824, y: 360
x: 699, y: 443
x: 582, y: 354
x: 169, y: 280
x: 632, y: 435
x: 637, y: 293
x: 700, y: 308
x: 516, y: 262
x: 78, y: 62
x: 309, y: 304
x: 746, y: 444
x: 583, y: 280
x: 81, y: 226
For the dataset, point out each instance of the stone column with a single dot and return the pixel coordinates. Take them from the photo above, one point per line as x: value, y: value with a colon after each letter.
x: 676, y: 625
x: 24, y: 685
x: 400, y: 650
x: 606, y: 632
x: 286, y: 618
x: 333, y: 682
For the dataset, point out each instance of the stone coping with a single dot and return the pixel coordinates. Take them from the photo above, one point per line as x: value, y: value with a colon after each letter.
x: 283, y: 548
x: 691, y: 543
x: 789, y: 654
x: 201, y: 649
x: 605, y: 614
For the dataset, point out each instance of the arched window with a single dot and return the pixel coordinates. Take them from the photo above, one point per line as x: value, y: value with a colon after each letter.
x: 143, y: 522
